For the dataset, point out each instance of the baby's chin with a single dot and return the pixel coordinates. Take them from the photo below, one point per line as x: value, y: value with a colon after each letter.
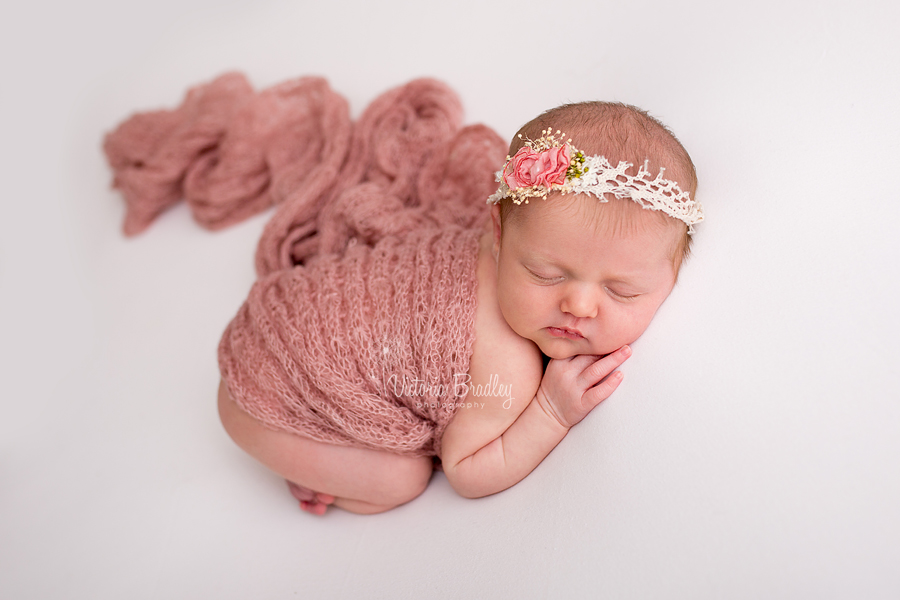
x: 556, y: 352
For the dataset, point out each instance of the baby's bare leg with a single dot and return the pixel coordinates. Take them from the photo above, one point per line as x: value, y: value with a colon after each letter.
x: 359, y: 480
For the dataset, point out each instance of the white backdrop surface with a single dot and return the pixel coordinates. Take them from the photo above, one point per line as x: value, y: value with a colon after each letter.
x: 752, y: 451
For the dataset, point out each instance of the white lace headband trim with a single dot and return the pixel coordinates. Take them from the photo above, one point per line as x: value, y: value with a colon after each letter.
x: 547, y: 164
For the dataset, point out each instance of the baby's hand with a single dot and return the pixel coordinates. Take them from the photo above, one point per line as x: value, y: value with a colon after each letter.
x: 572, y: 387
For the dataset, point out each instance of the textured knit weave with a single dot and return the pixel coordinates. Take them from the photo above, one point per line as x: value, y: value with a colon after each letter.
x: 228, y: 151
x: 364, y: 348
x: 362, y: 321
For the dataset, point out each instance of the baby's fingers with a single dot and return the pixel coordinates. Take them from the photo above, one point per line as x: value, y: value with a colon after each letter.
x: 599, y: 369
x: 602, y: 390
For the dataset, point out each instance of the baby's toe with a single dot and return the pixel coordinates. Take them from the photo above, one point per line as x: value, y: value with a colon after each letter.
x: 301, y: 493
x: 324, y: 498
x: 316, y: 508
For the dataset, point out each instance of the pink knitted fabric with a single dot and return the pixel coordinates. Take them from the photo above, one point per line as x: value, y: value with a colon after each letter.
x: 363, y: 348
x: 362, y: 321
x: 228, y: 151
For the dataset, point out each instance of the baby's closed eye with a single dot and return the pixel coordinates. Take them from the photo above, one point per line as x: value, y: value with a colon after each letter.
x: 624, y: 295
x: 543, y: 278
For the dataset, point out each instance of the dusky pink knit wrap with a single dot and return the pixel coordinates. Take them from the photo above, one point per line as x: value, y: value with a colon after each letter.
x: 364, y: 348
x: 367, y: 267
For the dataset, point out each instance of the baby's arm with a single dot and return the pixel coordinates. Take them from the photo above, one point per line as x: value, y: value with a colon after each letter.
x: 485, y: 453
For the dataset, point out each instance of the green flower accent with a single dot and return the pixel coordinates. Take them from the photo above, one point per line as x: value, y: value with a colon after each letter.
x: 576, y: 167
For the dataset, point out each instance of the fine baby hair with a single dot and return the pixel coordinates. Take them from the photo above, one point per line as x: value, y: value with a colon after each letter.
x: 592, y: 148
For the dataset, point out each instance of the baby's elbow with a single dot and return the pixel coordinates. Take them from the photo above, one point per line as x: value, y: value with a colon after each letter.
x: 463, y: 482
x: 460, y: 485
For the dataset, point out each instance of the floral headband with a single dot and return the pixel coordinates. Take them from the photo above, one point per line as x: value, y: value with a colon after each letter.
x: 550, y: 164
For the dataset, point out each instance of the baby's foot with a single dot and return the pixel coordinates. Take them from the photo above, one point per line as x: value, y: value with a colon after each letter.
x: 310, y: 501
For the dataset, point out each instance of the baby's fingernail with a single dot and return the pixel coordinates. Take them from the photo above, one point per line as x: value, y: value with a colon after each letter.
x: 626, y: 350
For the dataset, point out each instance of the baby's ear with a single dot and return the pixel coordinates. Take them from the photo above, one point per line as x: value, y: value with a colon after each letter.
x: 495, y: 220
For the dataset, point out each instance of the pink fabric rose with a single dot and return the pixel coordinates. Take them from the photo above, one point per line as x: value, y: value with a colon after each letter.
x: 528, y: 168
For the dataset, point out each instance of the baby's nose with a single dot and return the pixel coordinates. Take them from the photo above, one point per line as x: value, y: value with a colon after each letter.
x: 580, y: 302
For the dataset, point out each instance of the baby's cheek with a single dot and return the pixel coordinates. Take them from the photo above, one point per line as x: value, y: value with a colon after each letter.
x: 636, y: 324
x: 510, y: 310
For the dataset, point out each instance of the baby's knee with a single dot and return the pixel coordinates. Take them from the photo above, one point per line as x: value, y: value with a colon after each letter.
x: 409, y: 478
x: 404, y: 490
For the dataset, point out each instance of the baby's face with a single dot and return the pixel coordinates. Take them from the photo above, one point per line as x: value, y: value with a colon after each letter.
x: 575, y: 288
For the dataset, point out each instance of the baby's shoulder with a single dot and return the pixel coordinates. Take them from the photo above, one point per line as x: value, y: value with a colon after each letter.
x: 499, y: 352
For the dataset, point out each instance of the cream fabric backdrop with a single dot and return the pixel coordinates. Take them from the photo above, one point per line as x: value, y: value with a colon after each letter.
x: 752, y: 451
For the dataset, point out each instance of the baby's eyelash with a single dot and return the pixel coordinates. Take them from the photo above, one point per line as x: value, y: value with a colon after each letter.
x: 623, y: 296
x: 541, y: 277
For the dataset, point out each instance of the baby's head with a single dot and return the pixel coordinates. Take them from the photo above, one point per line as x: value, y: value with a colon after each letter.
x: 581, y: 275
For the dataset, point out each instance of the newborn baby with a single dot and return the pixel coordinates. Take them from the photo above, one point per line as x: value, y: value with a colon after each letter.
x: 588, y: 230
